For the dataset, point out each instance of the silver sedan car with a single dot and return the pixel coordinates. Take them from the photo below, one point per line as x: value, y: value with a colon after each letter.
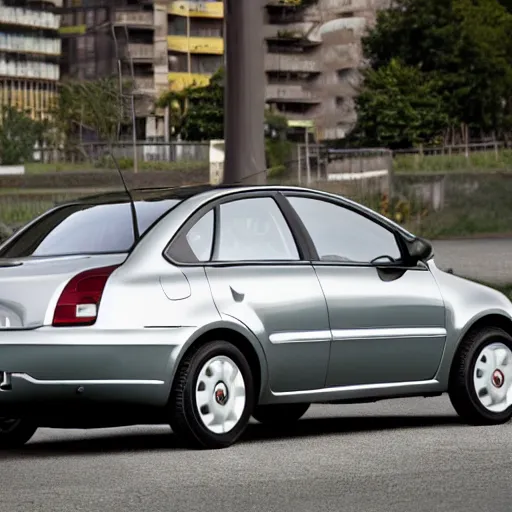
x: 201, y: 307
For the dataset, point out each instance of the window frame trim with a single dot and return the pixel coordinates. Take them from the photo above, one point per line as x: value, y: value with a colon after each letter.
x: 340, y: 202
x: 290, y: 217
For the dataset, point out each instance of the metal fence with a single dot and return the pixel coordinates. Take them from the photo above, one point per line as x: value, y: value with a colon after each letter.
x: 142, y: 151
x: 431, y: 194
x: 435, y: 195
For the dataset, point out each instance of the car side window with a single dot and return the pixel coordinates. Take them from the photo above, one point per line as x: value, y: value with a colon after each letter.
x: 195, y: 244
x: 343, y: 235
x: 254, y: 229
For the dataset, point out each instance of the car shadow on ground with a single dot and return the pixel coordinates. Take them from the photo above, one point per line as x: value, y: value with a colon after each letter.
x: 121, y: 442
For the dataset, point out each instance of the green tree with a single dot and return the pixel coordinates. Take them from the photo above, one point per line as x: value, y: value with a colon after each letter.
x: 399, y: 107
x: 18, y: 136
x: 177, y: 103
x: 507, y: 4
x: 97, y: 105
x: 464, y: 46
x: 197, y: 114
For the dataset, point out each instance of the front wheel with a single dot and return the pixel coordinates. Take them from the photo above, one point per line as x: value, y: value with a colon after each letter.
x: 481, y: 377
x: 212, y: 397
x: 280, y: 414
x: 14, y: 433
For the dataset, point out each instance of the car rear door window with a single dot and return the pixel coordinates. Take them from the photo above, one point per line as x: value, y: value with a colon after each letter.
x: 254, y: 229
x: 341, y: 234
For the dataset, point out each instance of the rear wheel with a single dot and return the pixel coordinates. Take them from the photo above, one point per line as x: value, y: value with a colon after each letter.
x: 280, y: 414
x: 481, y: 377
x: 212, y: 397
x: 14, y: 433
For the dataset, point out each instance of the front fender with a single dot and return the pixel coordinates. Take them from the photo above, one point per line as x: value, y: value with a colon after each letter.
x: 466, y: 302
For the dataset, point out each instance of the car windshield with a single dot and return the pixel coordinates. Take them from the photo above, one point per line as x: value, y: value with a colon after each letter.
x: 86, y: 229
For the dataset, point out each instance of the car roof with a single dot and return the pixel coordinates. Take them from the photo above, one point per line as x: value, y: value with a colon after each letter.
x: 166, y: 193
x: 209, y: 192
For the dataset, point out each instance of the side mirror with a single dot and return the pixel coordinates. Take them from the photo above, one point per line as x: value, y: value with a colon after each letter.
x: 419, y: 249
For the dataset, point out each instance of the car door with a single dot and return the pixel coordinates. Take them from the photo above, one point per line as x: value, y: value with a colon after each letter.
x: 387, y: 320
x: 258, y: 275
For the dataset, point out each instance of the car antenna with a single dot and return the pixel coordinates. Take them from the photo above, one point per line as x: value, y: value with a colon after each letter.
x: 135, y: 222
x: 136, y: 233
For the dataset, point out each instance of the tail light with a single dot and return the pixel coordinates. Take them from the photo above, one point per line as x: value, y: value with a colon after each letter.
x: 79, y: 301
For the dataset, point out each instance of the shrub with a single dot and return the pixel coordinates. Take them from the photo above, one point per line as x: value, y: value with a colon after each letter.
x: 5, y: 232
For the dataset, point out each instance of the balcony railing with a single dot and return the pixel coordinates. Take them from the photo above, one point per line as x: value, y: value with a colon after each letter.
x: 197, y: 9
x: 283, y: 92
x: 287, y: 31
x: 181, y: 80
x: 134, y: 18
x: 292, y: 62
x: 29, y: 69
x: 206, y: 45
x: 346, y: 6
x: 144, y: 84
x: 289, y: 3
x: 29, y: 18
x: 304, y: 120
x: 140, y: 51
x: 29, y: 44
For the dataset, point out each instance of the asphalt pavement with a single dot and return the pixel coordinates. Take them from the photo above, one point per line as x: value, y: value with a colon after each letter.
x: 396, y: 456
x: 487, y: 260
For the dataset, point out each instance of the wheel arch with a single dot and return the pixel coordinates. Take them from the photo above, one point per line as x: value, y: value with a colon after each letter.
x: 491, y: 320
x: 242, y: 340
x: 488, y: 319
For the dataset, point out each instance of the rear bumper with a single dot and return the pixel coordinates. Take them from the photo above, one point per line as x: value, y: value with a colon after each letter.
x: 89, y: 365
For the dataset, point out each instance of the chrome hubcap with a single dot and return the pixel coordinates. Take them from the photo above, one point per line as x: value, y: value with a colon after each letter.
x: 492, y: 377
x: 220, y: 394
x: 498, y: 379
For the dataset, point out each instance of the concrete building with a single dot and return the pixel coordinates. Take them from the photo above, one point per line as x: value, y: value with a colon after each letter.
x: 101, y: 38
x: 195, y: 41
x: 30, y: 50
x: 312, y: 63
x: 314, y: 60
x: 163, y: 44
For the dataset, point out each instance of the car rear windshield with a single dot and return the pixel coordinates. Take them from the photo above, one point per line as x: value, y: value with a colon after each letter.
x: 86, y: 229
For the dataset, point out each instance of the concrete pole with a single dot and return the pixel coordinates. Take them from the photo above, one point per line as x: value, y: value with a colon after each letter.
x: 244, y: 101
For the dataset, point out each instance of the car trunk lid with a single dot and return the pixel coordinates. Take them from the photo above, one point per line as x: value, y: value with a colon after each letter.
x: 29, y: 285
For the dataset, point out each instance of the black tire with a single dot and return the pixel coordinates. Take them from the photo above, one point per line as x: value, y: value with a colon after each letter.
x: 462, y: 392
x: 16, y: 435
x: 185, y: 419
x: 280, y: 414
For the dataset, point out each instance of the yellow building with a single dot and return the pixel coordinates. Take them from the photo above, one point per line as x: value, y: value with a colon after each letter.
x: 30, y: 51
x: 195, y: 41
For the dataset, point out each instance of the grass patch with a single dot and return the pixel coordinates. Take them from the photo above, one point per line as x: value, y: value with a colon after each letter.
x: 16, y: 209
x: 126, y: 164
x: 480, y: 161
x: 506, y: 289
x: 69, y: 192
x: 16, y: 213
x: 473, y: 205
